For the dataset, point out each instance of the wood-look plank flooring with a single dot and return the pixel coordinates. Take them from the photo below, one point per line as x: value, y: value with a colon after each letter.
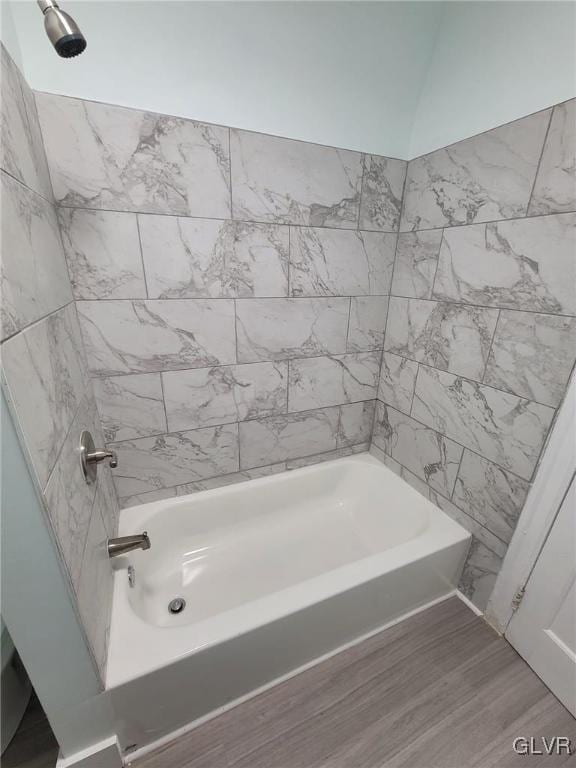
x: 439, y: 690
x: 34, y: 744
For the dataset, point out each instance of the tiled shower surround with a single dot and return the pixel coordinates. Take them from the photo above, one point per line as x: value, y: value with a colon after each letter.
x: 250, y: 304
x: 45, y: 375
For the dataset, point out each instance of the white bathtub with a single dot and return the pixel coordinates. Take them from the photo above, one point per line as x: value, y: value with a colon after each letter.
x: 276, y: 572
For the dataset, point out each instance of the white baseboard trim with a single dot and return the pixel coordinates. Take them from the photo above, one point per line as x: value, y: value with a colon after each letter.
x: 104, y: 754
x: 137, y: 753
x: 469, y: 603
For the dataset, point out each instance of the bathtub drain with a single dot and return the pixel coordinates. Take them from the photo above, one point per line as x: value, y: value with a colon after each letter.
x: 177, y: 605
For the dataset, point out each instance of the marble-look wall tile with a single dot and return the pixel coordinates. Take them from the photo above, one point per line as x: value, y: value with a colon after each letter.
x: 486, y: 177
x: 150, y: 463
x: 367, y: 323
x: 479, y: 574
x: 148, y: 336
x: 209, y: 396
x: 501, y: 427
x: 382, y: 186
x: 397, y: 381
x: 278, y: 329
x: 46, y: 374
x: 33, y: 277
x: 452, y: 337
x: 532, y: 355
x: 96, y: 586
x: 103, y: 253
x: 105, y: 156
x: 21, y: 148
x: 317, y: 382
x: 69, y: 498
x: 355, y: 425
x: 321, y: 458
x: 292, y: 436
x: 391, y: 463
x: 430, y: 455
x: 331, y: 262
x: 416, y: 263
x: 130, y: 406
x: 523, y: 264
x: 187, y: 258
x: 555, y: 187
x: 148, y: 497
x: 490, y: 495
x: 232, y: 479
x: 272, y: 181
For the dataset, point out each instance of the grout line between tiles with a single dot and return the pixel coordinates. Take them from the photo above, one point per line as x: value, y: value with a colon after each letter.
x: 142, y: 256
x: 490, y: 349
x: 539, y: 161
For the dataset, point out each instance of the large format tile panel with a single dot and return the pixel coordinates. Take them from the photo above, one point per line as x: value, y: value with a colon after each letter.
x: 367, y: 323
x: 486, y: 177
x: 555, y: 187
x: 278, y: 329
x: 504, y: 428
x: 130, y: 406
x: 210, y: 396
x: 416, y: 263
x: 278, y: 438
x: 103, y: 253
x: 532, y: 355
x: 294, y: 182
x: 331, y: 262
x: 451, y: 337
x: 45, y: 370
x: 397, y: 381
x: 522, y: 264
x: 427, y: 453
x: 148, y: 336
x: 150, y: 463
x: 34, y: 280
x: 21, y: 148
x: 186, y: 258
x: 105, y: 156
x: 318, y: 382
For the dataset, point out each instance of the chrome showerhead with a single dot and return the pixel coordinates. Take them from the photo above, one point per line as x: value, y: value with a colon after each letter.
x: 62, y: 30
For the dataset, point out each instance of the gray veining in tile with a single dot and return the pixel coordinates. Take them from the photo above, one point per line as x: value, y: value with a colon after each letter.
x: 416, y: 262
x: 555, y: 187
x: 318, y: 382
x: 355, y: 426
x: 425, y: 452
x: 45, y: 370
x: 21, y: 148
x: 105, y: 156
x: 448, y: 336
x: 33, y: 277
x: 486, y: 177
x: 210, y: 258
x: 150, y: 463
x: 232, y: 479
x: 479, y: 574
x: 501, y: 427
x: 367, y: 323
x: 331, y: 262
x: 148, y: 336
x: 524, y: 264
x: 210, y: 396
x: 397, y: 381
x: 130, y: 406
x: 272, y: 181
x: 532, y: 355
x: 69, y: 498
x: 278, y: 329
x: 278, y: 438
x: 382, y: 186
x: 103, y: 253
x: 490, y: 495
